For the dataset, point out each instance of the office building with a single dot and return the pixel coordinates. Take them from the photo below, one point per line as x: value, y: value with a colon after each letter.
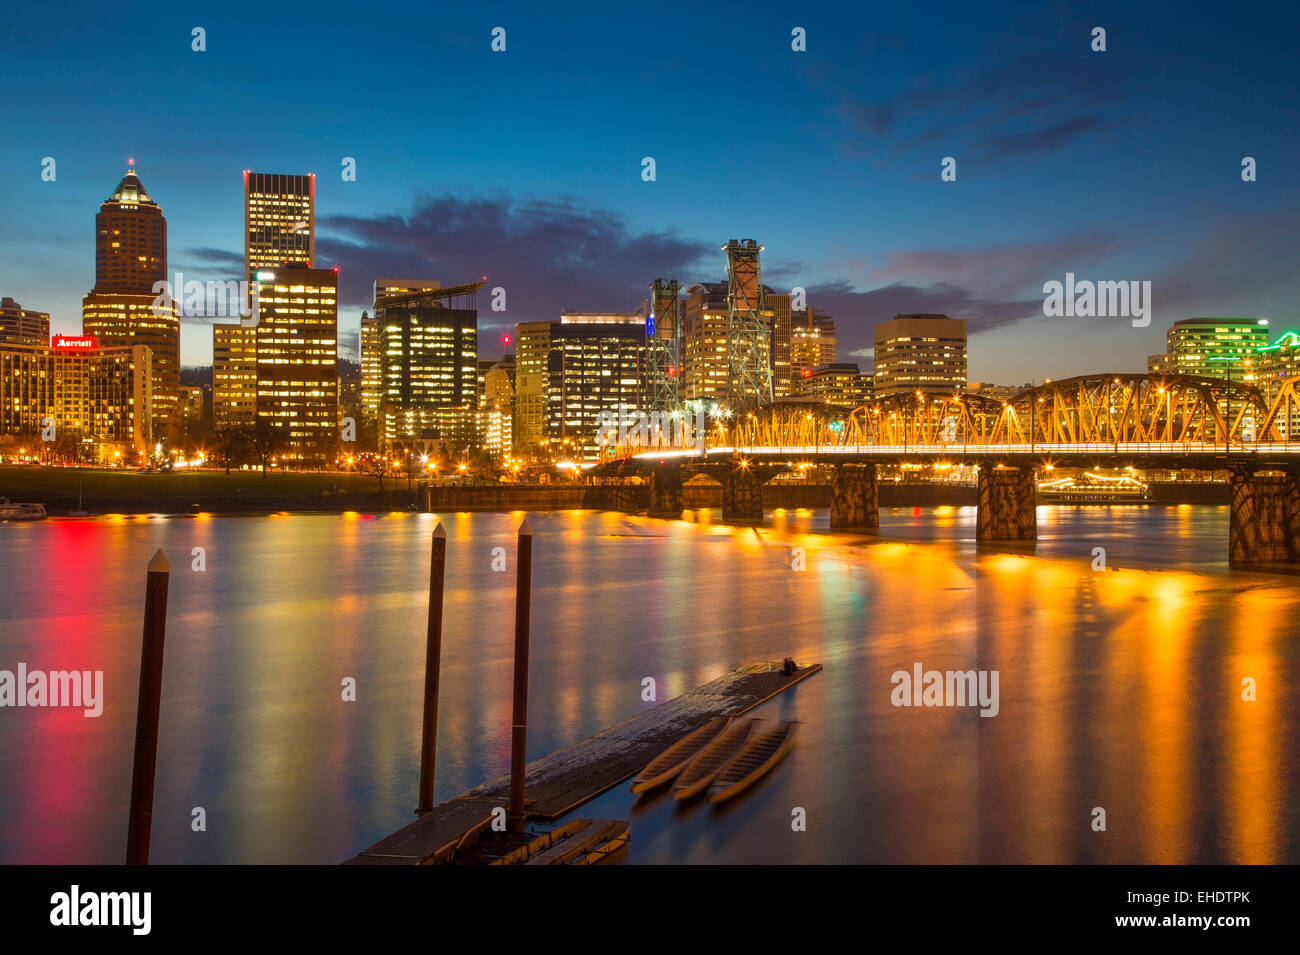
x: 812, y: 342
x: 429, y: 368
x: 279, y: 221
x: 841, y: 384
x: 234, y: 376
x: 371, y: 345
x: 595, y: 363
x: 532, y: 350
x: 23, y: 326
x: 124, y: 309
x: 705, y: 370
x: 297, y: 362
x: 1215, y: 347
x: 924, y: 353
x: 776, y: 308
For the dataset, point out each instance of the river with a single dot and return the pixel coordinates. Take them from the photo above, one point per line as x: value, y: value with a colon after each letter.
x: 1120, y: 688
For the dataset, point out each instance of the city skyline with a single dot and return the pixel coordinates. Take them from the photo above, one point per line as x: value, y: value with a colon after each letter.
x: 869, y: 231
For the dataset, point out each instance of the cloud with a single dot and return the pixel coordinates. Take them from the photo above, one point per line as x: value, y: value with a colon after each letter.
x: 548, y: 254
x: 1000, y: 270
x: 221, y: 259
x: 1030, y: 105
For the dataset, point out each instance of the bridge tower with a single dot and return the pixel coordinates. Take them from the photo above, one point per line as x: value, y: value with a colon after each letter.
x: 749, y: 373
x: 663, y: 346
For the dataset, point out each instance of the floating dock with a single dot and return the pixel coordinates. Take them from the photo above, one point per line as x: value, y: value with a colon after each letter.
x: 557, y: 784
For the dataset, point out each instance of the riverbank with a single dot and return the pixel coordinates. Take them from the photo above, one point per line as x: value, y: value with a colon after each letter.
x: 97, y: 491
x: 183, y: 492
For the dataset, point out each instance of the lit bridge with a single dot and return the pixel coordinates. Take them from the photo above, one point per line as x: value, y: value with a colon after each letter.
x: 1114, y: 420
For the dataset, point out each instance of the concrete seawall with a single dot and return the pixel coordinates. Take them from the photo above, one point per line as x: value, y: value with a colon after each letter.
x: 559, y: 497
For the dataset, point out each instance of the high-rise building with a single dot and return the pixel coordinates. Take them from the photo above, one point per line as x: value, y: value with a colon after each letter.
x: 595, y: 362
x: 297, y: 361
x: 23, y: 326
x: 372, y: 363
x: 920, y: 353
x: 532, y: 351
x: 429, y: 371
x: 126, y: 308
x: 777, y: 309
x: 234, y: 376
x: 812, y: 343
x: 704, y: 342
x: 1215, y: 347
x: 130, y: 239
x: 279, y: 221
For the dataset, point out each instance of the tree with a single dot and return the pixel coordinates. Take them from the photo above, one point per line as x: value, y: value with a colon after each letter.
x: 229, y: 445
x: 263, y: 440
x: 376, y: 464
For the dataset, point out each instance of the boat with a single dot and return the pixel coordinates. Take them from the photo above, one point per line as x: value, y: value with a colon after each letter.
x: 80, y: 511
x: 577, y: 842
x: 1090, y: 488
x: 704, y: 765
x: 15, y: 511
x: 760, y: 753
x: 664, y: 767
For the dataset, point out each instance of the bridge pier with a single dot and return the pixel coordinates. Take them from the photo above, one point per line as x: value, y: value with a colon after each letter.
x: 1006, y: 509
x: 742, y: 494
x: 1264, y: 524
x: 854, y: 498
x: 666, y: 492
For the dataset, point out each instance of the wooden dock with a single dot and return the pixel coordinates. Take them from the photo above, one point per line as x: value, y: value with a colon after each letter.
x: 557, y: 784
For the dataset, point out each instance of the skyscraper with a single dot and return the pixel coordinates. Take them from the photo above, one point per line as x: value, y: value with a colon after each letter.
x: 429, y: 372
x: 920, y: 353
x: 297, y: 361
x: 279, y: 220
x: 128, y: 305
x: 595, y: 362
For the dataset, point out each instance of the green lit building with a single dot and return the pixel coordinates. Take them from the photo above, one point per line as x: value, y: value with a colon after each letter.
x: 1277, y: 362
x: 1213, y: 347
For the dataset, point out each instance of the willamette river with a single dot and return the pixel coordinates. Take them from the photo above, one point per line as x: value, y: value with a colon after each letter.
x: 1119, y: 689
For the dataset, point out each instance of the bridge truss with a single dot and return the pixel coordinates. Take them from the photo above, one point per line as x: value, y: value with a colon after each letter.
x: 1153, y: 416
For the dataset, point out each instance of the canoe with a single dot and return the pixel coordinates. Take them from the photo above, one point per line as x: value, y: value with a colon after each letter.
x: 760, y: 753
x: 704, y: 765
x: 664, y: 767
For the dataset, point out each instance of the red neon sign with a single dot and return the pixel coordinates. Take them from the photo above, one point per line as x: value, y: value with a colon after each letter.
x: 77, y: 342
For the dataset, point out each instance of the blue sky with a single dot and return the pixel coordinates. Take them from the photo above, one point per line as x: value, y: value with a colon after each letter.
x: 525, y: 165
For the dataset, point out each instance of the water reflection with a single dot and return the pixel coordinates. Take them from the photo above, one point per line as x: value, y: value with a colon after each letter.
x: 1119, y: 689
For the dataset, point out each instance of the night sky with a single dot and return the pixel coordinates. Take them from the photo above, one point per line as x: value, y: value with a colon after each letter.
x: 525, y: 166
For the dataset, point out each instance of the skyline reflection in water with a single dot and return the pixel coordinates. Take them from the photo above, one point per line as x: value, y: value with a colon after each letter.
x: 1118, y: 689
